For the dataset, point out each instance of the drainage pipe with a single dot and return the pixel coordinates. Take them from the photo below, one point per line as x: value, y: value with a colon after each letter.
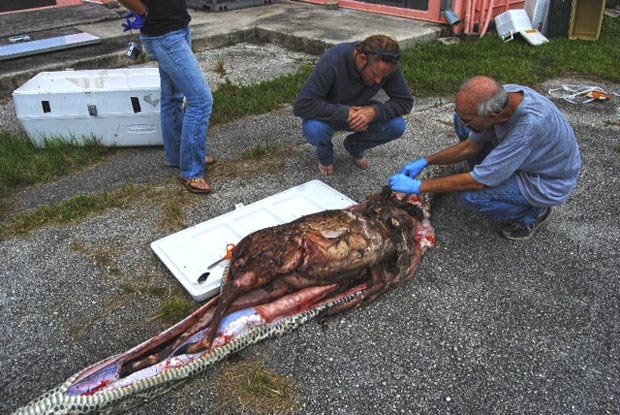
x: 473, y: 16
x: 467, y: 13
x: 488, y: 18
x: 448, y: 13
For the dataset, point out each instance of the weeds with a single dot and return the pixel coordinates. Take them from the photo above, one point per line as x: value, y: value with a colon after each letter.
x: 218, y: 67
x: 73, y: 209
x: 232, y: 101
x: 23, y: 164
x: 175, y: 309
x: 252, y: 388
x: 258, y: 152
x: 260, y: 160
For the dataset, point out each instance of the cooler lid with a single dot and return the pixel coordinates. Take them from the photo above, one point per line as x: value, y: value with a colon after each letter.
x: 188, y: 253
x: 534, y: 37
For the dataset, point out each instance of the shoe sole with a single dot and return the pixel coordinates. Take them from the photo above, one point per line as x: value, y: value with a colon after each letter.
x: 548, y: 219
x: 529, y: 236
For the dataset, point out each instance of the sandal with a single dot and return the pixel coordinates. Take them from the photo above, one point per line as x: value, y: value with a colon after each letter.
x: 197, y: 185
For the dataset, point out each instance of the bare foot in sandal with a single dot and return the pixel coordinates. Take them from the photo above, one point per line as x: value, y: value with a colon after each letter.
x: 326, y: 170
x: 197, y: 185
x: 363, y: 164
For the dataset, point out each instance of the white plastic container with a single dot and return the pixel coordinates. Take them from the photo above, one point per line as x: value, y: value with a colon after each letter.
x: 512, y: 22
x: 515, y: 22
x: 117, y: 107
x: 189, y: 253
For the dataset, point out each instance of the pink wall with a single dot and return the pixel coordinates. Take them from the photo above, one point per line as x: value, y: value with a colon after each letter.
x: 474, y: 14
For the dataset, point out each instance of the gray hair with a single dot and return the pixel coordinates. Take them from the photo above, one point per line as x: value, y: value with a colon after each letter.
x: 495, y: 104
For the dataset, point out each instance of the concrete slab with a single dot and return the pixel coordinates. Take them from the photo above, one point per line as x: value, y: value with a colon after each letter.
x: 37, y: 20
x: 300, y: 26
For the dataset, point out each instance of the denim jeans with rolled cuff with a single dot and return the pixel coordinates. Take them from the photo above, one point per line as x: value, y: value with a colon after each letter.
x: 184, y: 132
x: 319, y: 134
x: 504, y: 202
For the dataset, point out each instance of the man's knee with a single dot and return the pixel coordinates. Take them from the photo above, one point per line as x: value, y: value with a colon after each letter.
x: 395, y: 128
x: 317, y: 132
x: 470, y: 200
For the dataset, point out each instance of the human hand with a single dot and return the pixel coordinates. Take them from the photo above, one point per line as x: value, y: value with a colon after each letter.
x: 415, y: 167
x: 360, y: 117
x: 133, y: 21
x: 405, y: 184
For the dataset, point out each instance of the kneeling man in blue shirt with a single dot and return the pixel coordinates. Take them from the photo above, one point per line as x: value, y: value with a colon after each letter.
x: 523, y: 152
x: 338, y: 97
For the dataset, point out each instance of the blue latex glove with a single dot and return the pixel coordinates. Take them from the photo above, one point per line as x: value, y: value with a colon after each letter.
x: 414, y: 168
x: 405, y: 184
x: 134, y: 21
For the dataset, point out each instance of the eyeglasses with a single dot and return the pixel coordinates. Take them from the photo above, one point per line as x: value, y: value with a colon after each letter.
x: 465, y: 123
x: 385, y: 56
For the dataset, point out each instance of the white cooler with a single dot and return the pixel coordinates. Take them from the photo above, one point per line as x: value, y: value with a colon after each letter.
x: 515, y: 22
x: 117, y: 107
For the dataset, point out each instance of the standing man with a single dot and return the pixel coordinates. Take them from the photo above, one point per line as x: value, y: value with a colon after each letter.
x: 338, y: 97
x: 164, y: 31
x: 524, y: 155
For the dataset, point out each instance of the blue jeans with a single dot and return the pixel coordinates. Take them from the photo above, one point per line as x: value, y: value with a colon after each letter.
x: 504, y: 202
x: 184, y: 133
x: 319, y: 134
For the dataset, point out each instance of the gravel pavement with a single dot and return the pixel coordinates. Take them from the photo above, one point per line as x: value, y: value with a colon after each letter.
x: 487, y: 325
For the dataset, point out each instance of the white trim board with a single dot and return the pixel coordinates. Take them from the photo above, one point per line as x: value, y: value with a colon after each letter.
x: 51, y: 44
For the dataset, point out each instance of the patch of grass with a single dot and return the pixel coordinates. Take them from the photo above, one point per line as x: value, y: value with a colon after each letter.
x: 252, y: 388
x: 258, y: 152
x: 612, y: 123
x: 251, y: 165
x: 175, y: 309
x: 173, y: 204
x: 127, y: 288
x: 218, y: 67
x: 143, y: 57
x: 232, y: 101
x: 105, y: 259
x: 70, y: 210
x: 435, y: 69
x: 144, y: 285
x: 156, y: 291
x: 22, y: 164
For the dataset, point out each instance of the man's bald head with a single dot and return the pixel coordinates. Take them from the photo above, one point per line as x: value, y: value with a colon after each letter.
x: 481, y: 96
